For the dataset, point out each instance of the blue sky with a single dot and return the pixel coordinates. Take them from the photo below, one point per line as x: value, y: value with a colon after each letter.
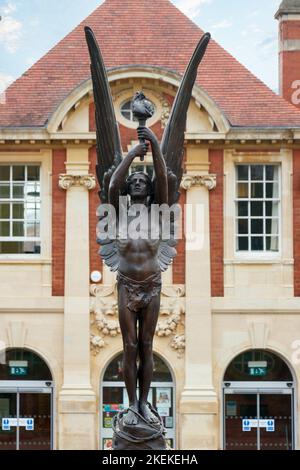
x: 247, y: 29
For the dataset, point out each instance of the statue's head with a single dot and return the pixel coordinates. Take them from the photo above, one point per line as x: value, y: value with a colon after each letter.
x: 139, y: 185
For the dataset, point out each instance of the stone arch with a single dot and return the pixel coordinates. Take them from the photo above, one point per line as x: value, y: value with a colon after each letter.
x: 165, y: 76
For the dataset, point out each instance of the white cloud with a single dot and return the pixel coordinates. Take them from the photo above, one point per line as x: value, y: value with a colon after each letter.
x: 191, y: 7
x: 5, y: 81
x: 223, y: 24
x: 10, y: 28
x: 8, y: 8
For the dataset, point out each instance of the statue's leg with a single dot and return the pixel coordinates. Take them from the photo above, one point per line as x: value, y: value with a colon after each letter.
x: 147, y: 324
x: 128, y: 325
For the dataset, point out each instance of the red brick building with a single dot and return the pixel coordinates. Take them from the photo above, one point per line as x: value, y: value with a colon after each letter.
x: 230, y: 308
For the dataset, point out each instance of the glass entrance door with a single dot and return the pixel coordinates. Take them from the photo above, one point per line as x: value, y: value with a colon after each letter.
x: 277, y: 410
x: 8, y: 414
x: 258, y: 420
x: 240, y: 407
x: 26, y: 419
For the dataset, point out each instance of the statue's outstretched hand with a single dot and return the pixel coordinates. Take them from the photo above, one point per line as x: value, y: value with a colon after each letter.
x: 145, y: 133
x: 139, y: 150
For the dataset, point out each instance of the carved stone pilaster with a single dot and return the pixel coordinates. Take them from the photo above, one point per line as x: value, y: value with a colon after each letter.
x: 67, y: 181
x: 209, y: 181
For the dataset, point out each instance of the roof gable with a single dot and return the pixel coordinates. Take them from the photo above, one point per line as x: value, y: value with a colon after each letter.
x: 139, y: 32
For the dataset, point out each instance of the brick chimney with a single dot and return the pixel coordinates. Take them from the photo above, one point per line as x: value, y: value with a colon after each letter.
x: 288, y: 16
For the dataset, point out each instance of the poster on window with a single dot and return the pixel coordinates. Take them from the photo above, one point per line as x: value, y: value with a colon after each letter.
x: 163, y: 398
x: 107, y: 444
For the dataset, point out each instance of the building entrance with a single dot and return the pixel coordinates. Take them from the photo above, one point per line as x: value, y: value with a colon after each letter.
x: 258, y: 413
x: 25, y: 417
x: 26, y: 404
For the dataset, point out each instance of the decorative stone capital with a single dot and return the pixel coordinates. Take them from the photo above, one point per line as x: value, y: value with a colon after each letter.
x: 67, y: 181
x: 209, y: 181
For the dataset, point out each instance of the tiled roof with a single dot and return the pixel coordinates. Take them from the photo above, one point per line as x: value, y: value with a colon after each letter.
x: 149, y: 33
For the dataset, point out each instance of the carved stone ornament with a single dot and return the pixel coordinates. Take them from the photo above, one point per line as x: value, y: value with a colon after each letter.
x: 97, y: 343
x: 165, y: 114
x: 67, y: 181
x: 178, y: 344
x: 209, y: 181
x: 104, y: 311
x: 105, y: 323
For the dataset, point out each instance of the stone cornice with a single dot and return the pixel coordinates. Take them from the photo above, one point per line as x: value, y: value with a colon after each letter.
x: 209, y: 181
x: 67, y: 181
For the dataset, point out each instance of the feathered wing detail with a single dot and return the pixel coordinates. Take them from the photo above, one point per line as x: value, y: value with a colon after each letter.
x: 109, y: 149
x: 172, y: 145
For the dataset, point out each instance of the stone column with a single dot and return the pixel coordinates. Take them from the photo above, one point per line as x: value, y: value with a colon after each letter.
x: 77, y: 403
x: 198, y: 404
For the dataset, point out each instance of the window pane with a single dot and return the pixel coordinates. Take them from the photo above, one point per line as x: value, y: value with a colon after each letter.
x: 18, y: 211
x: 257, y: 190
x: 33, y: 211
x: 243, y: 209
x: 126, y: 114
x: 242, y: 172
x: 257, y: 209
x: 33, y: 173
x: 20, y: 247
x: 243, y: 227
x: 4, y: 191
x: 257, y: 226
x: 272, y: 190
x: 4, y: 229
x: 18, y: 173
x: 272, y: 173
x: 4, y: 211
x: 243, y: 244
x: 33, y: 230
x: 272, y: 243
x: 18, y: 229
x: 18, y: 191
x: 272, y: 209
x: 243, y: 190
x: 32, y: 247
x: 4, y: 173
x: 257, y: 243
x: 257, y: 172
x: 272, y: 226
x: 33, y: 190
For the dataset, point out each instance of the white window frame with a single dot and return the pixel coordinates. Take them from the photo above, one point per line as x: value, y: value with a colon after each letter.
x: 11, y: 200
x: 283, y: 157
x: 249, y: 252
x: 42, y: 158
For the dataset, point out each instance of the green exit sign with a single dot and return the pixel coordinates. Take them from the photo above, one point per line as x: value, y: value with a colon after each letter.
x: 258, y: 371
x: 18, y: 370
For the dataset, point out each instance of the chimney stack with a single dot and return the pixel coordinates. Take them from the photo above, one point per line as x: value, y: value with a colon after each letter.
x: 288, y: 16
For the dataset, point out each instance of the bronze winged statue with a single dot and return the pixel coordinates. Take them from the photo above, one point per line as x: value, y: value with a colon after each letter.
x: 139, y: 262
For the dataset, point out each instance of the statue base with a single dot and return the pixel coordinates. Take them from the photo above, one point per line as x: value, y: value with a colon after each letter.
x: 140, y: 436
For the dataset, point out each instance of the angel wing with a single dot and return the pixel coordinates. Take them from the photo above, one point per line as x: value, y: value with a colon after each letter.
x: 172, y: 145
x: 109, y: 150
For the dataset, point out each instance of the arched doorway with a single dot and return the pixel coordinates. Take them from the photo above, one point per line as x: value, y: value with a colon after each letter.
x: 258, y: 403
x: 26, y: 401
x: 114, y: 398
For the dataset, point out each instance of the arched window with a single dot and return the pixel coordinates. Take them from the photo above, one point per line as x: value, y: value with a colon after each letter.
x: 258, y: 365
x: 126, y: 110
x: 22, y: 364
